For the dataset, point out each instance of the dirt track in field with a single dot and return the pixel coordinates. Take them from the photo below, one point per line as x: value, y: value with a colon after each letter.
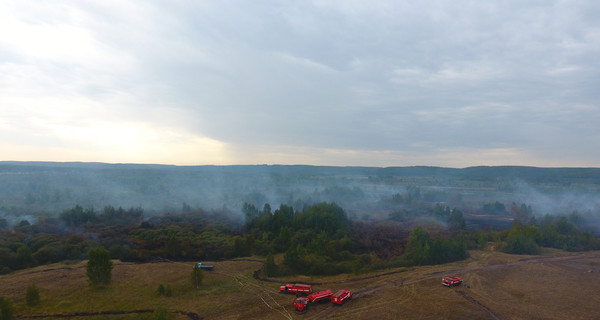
x: 363, y: 293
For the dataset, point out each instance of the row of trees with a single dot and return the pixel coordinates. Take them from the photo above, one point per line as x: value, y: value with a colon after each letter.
x: 550, y: 231
x: 320, y: 239
x: 191, y: 236
x: 453, y: 218
x: 422, y: 248
x: 314, y: 241
x: 23, y: 250
x: 79, y: 216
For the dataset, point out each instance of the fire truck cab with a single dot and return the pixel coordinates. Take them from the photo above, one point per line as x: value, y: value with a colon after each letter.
x: 341, y: 296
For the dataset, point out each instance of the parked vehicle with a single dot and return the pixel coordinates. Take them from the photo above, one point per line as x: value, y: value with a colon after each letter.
x: 297, y: 288
x: 451, y: 281
x: 341, y: 296
x: 302, y: 303
x: 205, y: 266
x: 320, y: 296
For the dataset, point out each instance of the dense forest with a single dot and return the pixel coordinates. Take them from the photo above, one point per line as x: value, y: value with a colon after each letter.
x: 327, y: 220
x: 318, y: 240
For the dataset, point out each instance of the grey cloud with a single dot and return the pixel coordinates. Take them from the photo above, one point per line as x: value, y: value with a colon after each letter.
x: 358, y: 76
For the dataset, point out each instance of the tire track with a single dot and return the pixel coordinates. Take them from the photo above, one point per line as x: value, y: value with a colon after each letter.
x: 257, y: 276
x: 479, y: 304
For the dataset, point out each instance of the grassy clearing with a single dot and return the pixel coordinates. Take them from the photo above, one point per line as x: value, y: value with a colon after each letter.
x: 509, y: 286
x: 66, y: 289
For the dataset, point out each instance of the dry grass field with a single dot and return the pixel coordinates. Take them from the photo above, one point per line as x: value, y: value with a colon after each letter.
x: 554, y: 285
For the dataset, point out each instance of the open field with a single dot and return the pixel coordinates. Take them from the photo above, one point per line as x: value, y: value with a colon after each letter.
x: 554, y: 285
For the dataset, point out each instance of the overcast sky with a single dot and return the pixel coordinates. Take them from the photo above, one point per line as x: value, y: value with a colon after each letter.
x: 371, y: 83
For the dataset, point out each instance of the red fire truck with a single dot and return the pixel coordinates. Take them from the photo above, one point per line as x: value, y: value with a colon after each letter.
x: 341, y: 296
x: 302, y: 303
x: 297, y: 288
x: 320, y: 296
x: 451, y: 281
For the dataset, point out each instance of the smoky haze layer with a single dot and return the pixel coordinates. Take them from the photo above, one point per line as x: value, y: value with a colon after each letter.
x: 44, y: 188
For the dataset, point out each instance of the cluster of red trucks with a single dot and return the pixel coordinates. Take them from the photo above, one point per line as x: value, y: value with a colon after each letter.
x: 306, y: 295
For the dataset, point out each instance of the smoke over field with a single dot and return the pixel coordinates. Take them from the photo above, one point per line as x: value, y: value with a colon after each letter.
x: 32, y: 189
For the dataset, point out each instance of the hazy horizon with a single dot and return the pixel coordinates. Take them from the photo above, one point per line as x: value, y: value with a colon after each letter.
x: 281, y: 164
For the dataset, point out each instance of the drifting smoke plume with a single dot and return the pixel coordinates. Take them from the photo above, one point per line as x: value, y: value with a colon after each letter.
x: 557, y: 202
x: 9, y: 220
x: 32, y: 189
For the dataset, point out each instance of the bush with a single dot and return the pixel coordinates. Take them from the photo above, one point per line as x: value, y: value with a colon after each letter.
x: 99, y: 266
x: 6, y: 309
x: 161, y: 289
x: 32, y: 296
x: 522, y: 240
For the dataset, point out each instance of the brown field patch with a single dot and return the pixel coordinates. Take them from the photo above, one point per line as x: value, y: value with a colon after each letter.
x: 554, y: 285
